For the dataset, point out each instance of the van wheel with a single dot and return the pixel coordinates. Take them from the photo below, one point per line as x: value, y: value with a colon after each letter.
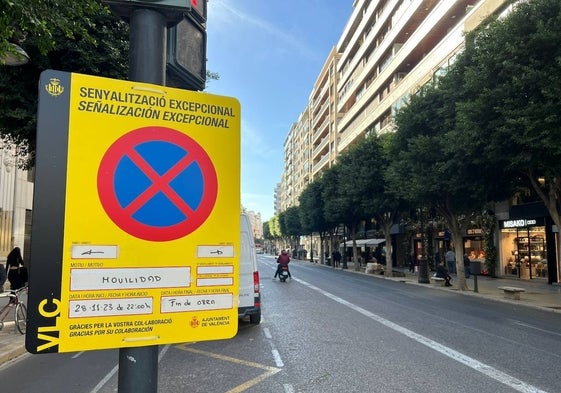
x: 255, y: 319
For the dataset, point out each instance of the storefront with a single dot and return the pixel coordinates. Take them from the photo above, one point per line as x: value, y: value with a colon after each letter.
x: 523, y: 248
x: 474, y: 244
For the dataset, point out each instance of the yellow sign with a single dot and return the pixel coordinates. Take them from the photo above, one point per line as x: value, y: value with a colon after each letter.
x: 150, y: 248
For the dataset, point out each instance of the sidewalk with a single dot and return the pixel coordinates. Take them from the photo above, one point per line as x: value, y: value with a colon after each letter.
x: 12, y: 343
x: 538, y: 294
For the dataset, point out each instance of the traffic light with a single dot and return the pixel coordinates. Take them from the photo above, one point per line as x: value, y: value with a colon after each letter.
x: 171, y: 9
x: 179, y: 4
x: 186, y: 54
x: 198, y: 10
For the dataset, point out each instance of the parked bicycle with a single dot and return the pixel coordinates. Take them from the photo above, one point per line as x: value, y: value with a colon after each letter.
x: 16, y: 306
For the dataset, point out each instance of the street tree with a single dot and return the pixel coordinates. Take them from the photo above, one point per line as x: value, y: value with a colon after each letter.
x: 431, y: 169
x: 311, y: 208
x: 513, y: 112
x: 350, y: 186
x: 43, y: 22
x: 386, y: 205
x: 104, y: 53
x: 290, y: 225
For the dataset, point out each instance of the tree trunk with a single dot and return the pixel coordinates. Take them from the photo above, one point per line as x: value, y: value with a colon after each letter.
x: 389, y: 252
x: 355, y: 250
x: 457, y: 236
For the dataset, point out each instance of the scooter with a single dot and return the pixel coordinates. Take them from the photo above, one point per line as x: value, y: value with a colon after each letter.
x: 283, y: 275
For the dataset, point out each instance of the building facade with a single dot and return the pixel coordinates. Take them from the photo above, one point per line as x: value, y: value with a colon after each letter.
x: 386, y: 52
x: 16, y: 200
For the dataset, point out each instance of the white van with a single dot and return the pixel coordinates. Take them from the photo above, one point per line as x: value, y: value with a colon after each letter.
x: 250, y: 292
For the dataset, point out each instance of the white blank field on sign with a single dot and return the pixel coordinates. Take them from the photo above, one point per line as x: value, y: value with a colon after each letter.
x: 215, y: 269
x: 213, y: 282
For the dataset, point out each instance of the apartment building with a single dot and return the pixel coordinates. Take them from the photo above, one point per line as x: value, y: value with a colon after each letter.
x: 297, y: 161
x: 390, y: 48
x: 386, y: 52
x: 256, y: 223
x: 323, y: 115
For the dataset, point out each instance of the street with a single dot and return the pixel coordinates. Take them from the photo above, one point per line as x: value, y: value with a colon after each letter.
x: 329, y: 330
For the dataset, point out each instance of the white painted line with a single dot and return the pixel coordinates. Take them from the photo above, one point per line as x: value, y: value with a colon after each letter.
x: 288, y: 388
x: 77, y: 355
x: 111, y: 373
x: 267, y: 333
x: 536, y: 328
x: 483, y: 368
x: 277, y: 357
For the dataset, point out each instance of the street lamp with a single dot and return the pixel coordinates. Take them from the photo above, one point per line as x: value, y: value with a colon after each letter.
x: 16, y: 58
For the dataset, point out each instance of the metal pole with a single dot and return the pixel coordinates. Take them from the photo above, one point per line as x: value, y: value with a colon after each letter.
x: 138, y: 367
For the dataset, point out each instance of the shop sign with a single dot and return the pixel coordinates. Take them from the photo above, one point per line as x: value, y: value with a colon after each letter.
x: 520, y: 223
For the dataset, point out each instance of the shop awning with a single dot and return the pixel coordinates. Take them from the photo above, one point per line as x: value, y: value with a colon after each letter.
x: 364, y: 242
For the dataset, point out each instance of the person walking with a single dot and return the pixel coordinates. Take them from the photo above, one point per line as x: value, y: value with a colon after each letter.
x: 13, y: 263
x: 336, y: 258
x: 451, y: 261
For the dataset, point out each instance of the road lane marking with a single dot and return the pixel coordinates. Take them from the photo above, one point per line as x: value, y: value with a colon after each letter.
x: 483, y: 368
x: 276, y: 354
x: 267, y: 333
x: 111, y: 373
x: 535, y: 328
x: 269, y: 371
x: 288, y: 388
x: 277, y: 357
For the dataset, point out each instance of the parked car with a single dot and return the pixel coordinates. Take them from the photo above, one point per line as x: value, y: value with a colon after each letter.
x: 250, y: 291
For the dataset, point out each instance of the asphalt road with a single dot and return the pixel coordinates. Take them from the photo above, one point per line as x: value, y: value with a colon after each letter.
x: 329, y: 330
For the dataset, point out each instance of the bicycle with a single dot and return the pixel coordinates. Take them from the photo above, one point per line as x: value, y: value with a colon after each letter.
x: 20, y: 310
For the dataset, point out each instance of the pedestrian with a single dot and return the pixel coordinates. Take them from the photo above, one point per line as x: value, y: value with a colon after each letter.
x: 441, y: 272
x: 282, y: 260
x: 13, y: 263
x: 451, y: 261
x: 467, y: 267
x: 336, y: 258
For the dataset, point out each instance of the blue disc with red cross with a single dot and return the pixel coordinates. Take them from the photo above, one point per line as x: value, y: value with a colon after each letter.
x: 157, y: 184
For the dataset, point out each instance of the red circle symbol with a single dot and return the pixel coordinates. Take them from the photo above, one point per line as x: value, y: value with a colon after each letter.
x: 157, y: 184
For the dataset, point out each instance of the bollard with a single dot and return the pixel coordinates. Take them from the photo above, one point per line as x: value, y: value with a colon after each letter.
x: 475, y: 268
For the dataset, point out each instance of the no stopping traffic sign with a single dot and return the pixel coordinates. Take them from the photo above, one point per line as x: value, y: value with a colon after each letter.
x: 157, y: 184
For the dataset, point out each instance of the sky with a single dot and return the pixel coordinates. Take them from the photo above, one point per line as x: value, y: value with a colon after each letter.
x: 268, y: 55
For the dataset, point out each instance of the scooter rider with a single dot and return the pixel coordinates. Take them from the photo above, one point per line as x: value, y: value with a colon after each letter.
x: 282, y: 260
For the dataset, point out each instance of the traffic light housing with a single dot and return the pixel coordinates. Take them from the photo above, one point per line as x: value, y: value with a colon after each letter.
x: 198, y: 10
x: 171, y: 9
x: 186, y: 54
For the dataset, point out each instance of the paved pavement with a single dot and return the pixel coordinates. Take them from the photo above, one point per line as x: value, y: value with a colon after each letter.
x: 538, y: 294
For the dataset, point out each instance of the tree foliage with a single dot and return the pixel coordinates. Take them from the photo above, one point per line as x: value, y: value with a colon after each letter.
x: 99, y: 47
x: 44, y: 22
x: 514, y: 83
